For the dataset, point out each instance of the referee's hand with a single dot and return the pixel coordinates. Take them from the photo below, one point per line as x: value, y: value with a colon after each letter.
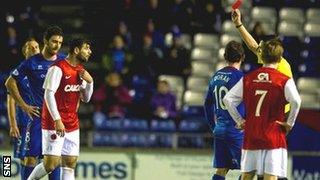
x: 60, y: 130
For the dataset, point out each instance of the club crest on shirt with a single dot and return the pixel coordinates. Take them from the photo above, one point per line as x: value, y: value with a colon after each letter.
x: 15, y: 72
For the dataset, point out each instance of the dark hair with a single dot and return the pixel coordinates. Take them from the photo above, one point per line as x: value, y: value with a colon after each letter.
x: 271, y: 51
x: 163, y: 81
x: 52, y: 31
x: 77, y: 43
x: 233, y: 52
x: 270, y: 37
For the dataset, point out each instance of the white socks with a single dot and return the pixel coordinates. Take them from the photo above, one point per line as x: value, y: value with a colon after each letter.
x: 38, y: 172
x: 67, y: 173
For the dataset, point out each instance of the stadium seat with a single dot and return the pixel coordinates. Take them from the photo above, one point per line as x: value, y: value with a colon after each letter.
x: 290, y: 29
x: 193, y: 104
x: 312, y: 15
x: 292, y: 43
x: 308, y: 85
x: 165, y: 140
x: 220, y: 65
x: 135, y: 125
x: 269, y: 28
x: 264, y: 14
x: 312, y: 42
x: 4, y: 123
x: 196, y: 83
x: 309, y: 69
x: 310, y: 55
x: 203, y: 69
x: 195, y: 141
x: 106, y: 139
x: 229, y: 28
x: 201, y: 54
x: 166, y: 125
x: 221, y: 54
x: 293, y: 15
x: 185, y: 40
x: 312, y: 29
x: 103, y: 123
x: 225, y: 39
x: 208, y: 41
x: 193, y: 125
x: 310, y: 101
x: 301, y: 134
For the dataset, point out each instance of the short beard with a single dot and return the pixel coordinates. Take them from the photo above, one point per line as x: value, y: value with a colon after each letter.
x: 81, y: 59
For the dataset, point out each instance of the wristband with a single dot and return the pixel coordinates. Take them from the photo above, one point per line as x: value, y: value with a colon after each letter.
x: 239, y: 26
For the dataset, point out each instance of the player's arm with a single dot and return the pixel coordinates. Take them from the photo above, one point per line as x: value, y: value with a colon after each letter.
x: 232, y: 99
x: 208, y: 110
x: 11, y: 108
x: 11, y: 84
x: 293, y: 97
x: 86, y: 88
x: 51, y: 84
x: 245, y: 35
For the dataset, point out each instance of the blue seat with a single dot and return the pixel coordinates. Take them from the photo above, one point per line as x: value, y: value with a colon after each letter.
x: 291, y: 42
x: 310, y: 55
x: 165, y: 140
x: 309, y: 69
x: 101, y: 122
x: 311, y: 42
x: 301, y: 134
x: 167, y: 125
x: 192, y: 111
x: 193, y: 125
x: 4, y: 123
x: 135, y: 125
x: 106, y: 139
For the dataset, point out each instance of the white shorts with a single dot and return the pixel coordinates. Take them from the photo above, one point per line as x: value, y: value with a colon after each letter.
x: 53, y: 144
x: 273, y: 161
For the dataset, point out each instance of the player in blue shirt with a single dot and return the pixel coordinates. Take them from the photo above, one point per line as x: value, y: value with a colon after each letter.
x: 35, y: 69
x: 227, y: 138
x: 18, y: 120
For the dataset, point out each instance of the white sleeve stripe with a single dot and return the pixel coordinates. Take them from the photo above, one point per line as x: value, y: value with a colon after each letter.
x: 53, y: 78
x: 292, y: 96
x: 232, y: 99
x: 51, y: 104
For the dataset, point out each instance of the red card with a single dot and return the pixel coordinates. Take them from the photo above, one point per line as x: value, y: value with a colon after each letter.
x: 237, y: 4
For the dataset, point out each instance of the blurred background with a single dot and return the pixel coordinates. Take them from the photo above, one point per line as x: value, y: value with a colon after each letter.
x: 151, y: 64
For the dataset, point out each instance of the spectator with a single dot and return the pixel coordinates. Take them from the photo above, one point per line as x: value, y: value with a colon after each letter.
x: 163, y: 102
x: 112, y: 97
x: 177, y: 61
x: 117, y: 58
x: 209, y: 20
x: 157, y: 36
x: 123, y: 31
x: 147, y: 60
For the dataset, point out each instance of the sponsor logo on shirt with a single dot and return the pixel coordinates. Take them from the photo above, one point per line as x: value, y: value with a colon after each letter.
x: 262, y: 77
x: 67, y: 77
x: 39, y: 67
x: 72, y: 88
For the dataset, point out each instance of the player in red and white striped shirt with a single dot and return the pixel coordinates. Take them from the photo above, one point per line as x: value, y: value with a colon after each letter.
x: 65, y: 85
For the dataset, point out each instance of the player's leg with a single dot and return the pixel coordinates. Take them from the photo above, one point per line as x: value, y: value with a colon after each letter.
x: 222, y: 159
x: 29, y: 140
x: 18, y: 149
x: 270, y: 177
x: 68, y: 166
x: 51, y: 148
x: 248, y: 175
x: 235, y: 145
x: 70, y: 153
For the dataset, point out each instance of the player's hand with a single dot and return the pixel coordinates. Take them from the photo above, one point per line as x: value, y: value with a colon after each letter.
x: 236, y: 17
x: 241, y: 125
x: 83, y: 74
x: 31, y: 110
x: 14, y: 131
x: 60, y: 130
x: 285, y: 126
